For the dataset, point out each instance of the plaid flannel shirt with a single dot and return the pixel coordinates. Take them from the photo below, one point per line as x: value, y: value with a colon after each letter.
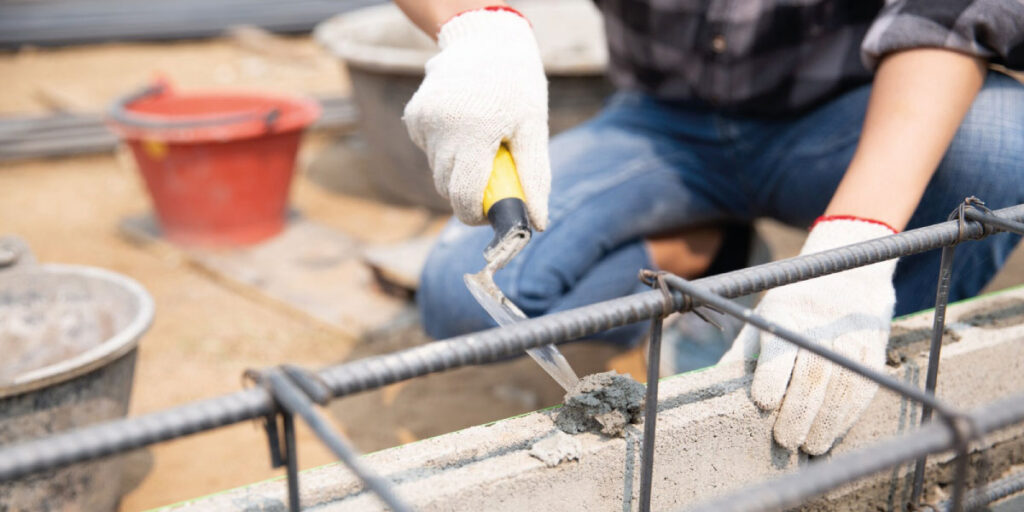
x: 778, y: 57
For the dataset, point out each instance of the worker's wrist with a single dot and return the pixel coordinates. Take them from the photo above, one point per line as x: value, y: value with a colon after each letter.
x: 855, y: 218
x: 490, y: 21
x: 833, y: 231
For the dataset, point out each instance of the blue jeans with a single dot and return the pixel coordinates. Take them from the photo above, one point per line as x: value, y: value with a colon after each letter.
x: 643, y: 166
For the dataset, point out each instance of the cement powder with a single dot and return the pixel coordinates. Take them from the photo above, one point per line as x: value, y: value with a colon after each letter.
x: 605, y: 402
x: 43, y: 329
x: 556, y: 448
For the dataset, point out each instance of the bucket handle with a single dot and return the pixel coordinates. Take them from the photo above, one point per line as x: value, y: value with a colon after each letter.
x: 119, y: 112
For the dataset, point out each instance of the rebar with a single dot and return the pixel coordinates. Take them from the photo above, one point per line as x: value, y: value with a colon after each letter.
x: 292, y: 461
x: 994, y: 221
x: 821, y: 476
x: 650, y: 414
x: 959, y: 426
x: 934, y: 353
x: 935, y: 350
x: 995, y: 491
x: 486, y: 346
x: 72, y: 134
x: 293, y: 399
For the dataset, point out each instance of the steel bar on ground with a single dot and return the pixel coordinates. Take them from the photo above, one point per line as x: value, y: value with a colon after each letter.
x: 72, y: 134
x: 295, y: 401
x: 486, y: 346
x: 650, y: 414
x: 820, y: 476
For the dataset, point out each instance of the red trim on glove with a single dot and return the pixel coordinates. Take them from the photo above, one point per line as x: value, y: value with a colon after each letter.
x: 826, y: 218
x: 492, y: 8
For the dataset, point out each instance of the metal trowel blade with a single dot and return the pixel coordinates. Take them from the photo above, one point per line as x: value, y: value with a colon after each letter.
x: 504, y: 312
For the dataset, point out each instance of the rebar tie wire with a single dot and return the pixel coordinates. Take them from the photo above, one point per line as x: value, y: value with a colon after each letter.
x: 122, y: 435
x: 294, y: 390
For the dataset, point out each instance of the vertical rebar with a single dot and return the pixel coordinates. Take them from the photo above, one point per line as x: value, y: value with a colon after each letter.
x: 292, y: 461
x: 650, y: 414
x: 938, y: 327
x: 292, y: 399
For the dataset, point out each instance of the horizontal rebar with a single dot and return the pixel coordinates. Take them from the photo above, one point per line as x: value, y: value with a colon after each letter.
x: 820, y: 476
x: 995, y: 491
x: 477, y: 348
x: 997, y: 222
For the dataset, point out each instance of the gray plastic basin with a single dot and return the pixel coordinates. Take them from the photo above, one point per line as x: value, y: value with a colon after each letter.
x: 70, y: 335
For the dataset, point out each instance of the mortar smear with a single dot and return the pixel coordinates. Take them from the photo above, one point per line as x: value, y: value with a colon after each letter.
x: 605, y: 402
x: 556, y: 448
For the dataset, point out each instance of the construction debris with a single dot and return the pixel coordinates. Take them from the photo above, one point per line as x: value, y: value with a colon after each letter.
x: 556, y: 448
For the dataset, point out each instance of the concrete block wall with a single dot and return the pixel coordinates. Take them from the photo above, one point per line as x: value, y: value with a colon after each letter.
x: 711, y: 439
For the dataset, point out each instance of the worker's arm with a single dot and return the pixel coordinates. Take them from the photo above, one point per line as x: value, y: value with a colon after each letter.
x: 486, y: 87
x: 917, y: 102
x: 429, y: 15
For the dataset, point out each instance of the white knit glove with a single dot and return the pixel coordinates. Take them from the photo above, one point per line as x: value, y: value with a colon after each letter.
x: 486, y: 86
x: 849, y: 312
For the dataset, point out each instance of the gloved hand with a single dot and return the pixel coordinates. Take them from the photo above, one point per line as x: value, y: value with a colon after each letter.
x: 486, y: 86
x: 849, y: 312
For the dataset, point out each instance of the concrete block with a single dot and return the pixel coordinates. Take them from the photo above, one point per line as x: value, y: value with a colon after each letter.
x: 711, y: 439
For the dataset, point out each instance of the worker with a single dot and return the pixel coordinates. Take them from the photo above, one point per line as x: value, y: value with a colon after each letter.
x: 851, y: 118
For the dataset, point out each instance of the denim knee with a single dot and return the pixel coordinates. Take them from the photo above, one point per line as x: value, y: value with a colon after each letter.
x: 984, y: 158
x: 446, y: 307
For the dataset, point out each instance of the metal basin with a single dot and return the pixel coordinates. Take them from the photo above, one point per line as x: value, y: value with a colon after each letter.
x: 69, y: 334
x: 384, y: 55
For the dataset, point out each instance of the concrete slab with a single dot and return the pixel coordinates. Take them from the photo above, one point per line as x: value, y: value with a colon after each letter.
x: 711, y: 439
x: 311, y: 267
x: 400, y: 264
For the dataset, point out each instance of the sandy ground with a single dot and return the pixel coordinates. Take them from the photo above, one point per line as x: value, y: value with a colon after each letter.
x: 206, y: 334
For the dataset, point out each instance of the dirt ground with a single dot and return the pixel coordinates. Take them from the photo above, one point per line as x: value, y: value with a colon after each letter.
x: 206, y: 334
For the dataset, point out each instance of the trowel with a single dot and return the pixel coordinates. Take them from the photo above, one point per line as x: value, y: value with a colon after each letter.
x: 505, y: 207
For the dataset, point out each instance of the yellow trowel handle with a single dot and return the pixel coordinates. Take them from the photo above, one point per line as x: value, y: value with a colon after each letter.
x: 504, y: 202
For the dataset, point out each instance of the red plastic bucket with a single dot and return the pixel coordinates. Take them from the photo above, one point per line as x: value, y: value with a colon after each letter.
x: 218, y: 166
